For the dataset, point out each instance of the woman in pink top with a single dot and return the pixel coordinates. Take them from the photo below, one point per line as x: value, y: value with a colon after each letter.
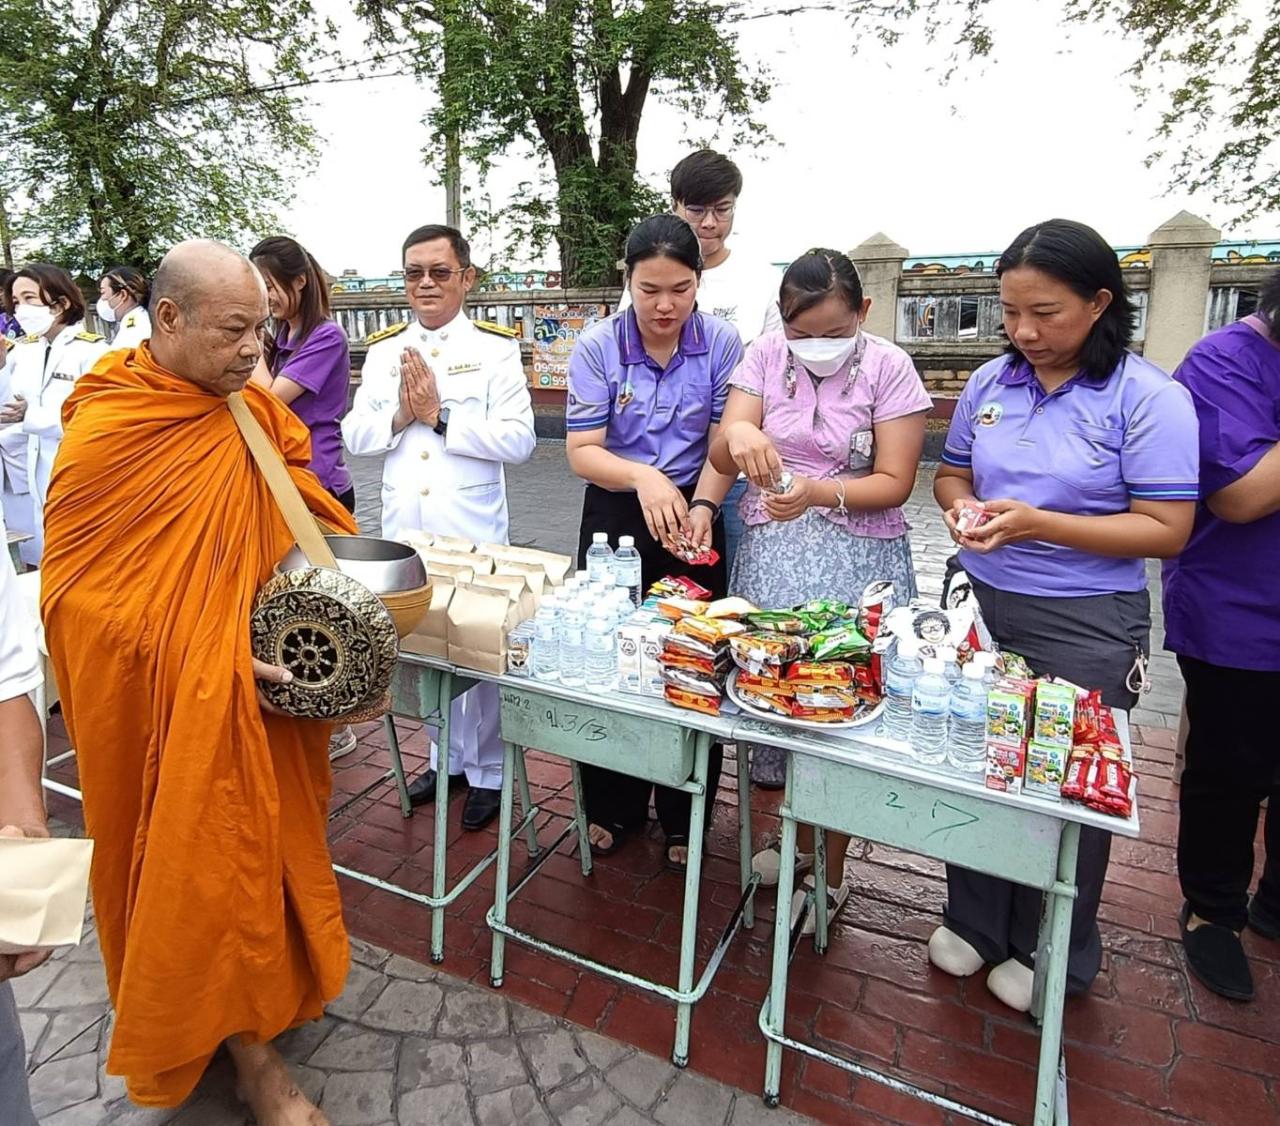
x: 844, y: 413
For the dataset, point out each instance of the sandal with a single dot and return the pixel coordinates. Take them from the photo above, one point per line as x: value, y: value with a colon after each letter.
x: 677, y: 841
x: 767, y: 863
x: 835, y: 901
x: 619, y: 836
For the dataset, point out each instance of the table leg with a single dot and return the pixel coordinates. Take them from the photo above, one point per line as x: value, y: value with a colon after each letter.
x: 526, y: 802
x: 440, y: 852
x: 781, y: 959
x: 503, y: 878
x: 820, y: 913
x: 397, y: 764
x: 692, y: 887
x: 1051, y: 961
x: 580, y: 817
x: 744, y: 833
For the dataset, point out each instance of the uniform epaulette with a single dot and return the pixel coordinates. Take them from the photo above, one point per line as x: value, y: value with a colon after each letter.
x: 496, y: 329
x: 30, y: 338
x: 91, y: 337
x: 385, y: 333
x: 131, y: 320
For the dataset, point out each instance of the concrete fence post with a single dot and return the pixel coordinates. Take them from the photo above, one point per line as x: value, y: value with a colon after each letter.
x: 1181, y: 265
x: 879, y: 261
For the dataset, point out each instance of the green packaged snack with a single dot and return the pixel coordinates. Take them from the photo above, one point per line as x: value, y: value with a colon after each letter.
x: 828, y: 606
x: 777, y: 621
x: 838, y: 644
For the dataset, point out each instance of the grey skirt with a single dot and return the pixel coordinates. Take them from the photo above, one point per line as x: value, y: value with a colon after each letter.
x: 783, y: 564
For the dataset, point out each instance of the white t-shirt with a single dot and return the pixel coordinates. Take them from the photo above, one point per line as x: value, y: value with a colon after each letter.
x: 740, y: 291
x: 19, y: 662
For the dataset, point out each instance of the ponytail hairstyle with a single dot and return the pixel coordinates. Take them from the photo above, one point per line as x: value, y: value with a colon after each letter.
x: 284, y: 260
x: 663, y: 236
x: 1082, y: 260
x: 813, y: 277
x: 128, y: 280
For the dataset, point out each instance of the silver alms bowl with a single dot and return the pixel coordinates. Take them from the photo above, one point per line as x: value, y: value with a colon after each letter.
x: 383, y: 566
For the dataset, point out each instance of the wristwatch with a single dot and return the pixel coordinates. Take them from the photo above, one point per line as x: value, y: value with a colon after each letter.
x: 442, y: 422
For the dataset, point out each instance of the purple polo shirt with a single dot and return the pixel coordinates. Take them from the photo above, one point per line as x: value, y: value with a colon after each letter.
x: 653, y: 415
x: 1220, y: 597
x: 322, y: 367
x: 1087, y: 449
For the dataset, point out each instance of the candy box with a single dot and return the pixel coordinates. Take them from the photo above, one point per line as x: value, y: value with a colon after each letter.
x: 972, y: 516
x: 1055, y: 714
x: 639, y: 645
x: 1046, y: 768
x: 1009, y: 712
x: 1005, y: 767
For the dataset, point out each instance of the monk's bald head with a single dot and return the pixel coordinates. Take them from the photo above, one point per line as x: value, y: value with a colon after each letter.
x: 208, y: 311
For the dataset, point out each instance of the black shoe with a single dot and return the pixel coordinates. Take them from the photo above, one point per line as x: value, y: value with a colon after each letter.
x: 1262, y: 920
x: 1216, y: 957
x: 422, y: 790
x: 481, y: 808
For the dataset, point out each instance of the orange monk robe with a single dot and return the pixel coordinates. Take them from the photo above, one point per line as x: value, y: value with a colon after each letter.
x: 216, y: 905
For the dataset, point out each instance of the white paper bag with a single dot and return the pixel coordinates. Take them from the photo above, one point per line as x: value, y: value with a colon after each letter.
x: 44, y: 883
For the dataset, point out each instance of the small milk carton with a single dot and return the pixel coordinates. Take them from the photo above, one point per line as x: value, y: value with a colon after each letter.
x: 1005, y: 767
x: 1055, y: 715
x: 1046, y: 767
x: 1009, y: 713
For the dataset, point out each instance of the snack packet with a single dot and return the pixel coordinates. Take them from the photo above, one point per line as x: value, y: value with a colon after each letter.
x: 762, y: 653
x: 714, y: 631
x: 763, y: 685
x: 693, y: 701
x: 777, y: 621
x: 839, y: 642
x: 679, y: 586
x: 692, y: 681
x: 731, y: 608
x: 814, y: 674
x: 776, y: 705
x: 972, y: 516
x: 673, y: 609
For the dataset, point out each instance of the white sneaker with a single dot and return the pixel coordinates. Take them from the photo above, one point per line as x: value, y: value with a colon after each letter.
x: 341, y: 742
x: 767, y: 863
x: 1012, y: 983
x: 835, y: 900
x: 952, y: 954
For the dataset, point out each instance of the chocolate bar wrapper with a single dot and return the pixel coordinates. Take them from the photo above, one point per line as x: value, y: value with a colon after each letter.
x: 691, y: 701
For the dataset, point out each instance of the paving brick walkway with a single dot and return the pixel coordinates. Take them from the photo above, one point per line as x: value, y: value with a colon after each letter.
x: 1146, y: 1045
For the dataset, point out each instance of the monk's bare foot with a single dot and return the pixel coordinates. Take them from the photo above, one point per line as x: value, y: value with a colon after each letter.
x: 600, y: 837
x: 263, y: 1081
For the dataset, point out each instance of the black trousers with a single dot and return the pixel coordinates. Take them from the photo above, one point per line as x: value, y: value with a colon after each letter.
x: 1092, y: 642
x: 1232, y: 765
x: 346, y: 499
x: 615, y: 801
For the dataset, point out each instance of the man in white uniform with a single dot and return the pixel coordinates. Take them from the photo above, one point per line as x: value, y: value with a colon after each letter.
x: 446, y: 400
x: 21, y: 814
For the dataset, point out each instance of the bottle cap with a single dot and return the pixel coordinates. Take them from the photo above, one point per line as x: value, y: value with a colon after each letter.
x: 973, y: 670
x: 626, y: 541
x: 933, y: 665
x: 947, y: 653
x: 600, y: 537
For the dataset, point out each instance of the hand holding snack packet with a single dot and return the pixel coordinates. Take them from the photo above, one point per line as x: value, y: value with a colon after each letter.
x: 753, y: 453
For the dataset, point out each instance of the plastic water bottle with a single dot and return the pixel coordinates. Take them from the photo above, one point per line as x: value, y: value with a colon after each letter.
x: 573, y: 654
x: 930, y: 702
x: 967, y: 725
x: 601, y: 656
x: 900, y: 678
x: 987, y: 663
x: 600, y: 559
x: 623, y: 606
x: 583, y: 578
x: 950, y: 664
x: 544, y: 654
x: 626, y: 567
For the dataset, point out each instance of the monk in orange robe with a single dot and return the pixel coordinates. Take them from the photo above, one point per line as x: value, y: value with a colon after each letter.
x: 216, y: 905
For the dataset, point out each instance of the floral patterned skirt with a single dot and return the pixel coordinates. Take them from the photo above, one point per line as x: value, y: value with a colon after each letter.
x: 783, y: 564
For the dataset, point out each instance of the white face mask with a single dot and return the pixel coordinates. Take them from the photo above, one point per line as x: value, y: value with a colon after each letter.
x: 105, y: 311
x: 823, y: 356
x: 35, y: 320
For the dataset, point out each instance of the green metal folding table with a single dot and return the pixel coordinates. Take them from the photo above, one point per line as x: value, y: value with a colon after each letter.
x: 860, y: 785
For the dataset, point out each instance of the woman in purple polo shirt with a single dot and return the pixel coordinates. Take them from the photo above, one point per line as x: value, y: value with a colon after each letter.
x: 307, y: 363
x: 647, y: 387
x: 1085, y: 455
x: 1222, y: 618
x: 844, y: 413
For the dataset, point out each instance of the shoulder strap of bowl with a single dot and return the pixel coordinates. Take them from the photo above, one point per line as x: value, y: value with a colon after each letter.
x: 294, y: 509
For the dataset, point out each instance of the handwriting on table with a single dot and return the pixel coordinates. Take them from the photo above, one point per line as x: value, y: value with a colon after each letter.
x: 949, y: 816
x: 588, y: 726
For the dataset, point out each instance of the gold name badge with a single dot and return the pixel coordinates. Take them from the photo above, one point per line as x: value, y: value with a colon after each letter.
x: 462, y: 369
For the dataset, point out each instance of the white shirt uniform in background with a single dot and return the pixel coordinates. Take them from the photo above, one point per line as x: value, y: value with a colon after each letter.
x: 15, y: 489
x: 450, y: 485
x: 135, y: 327
x: 45, y: 374
x: 741, y: 291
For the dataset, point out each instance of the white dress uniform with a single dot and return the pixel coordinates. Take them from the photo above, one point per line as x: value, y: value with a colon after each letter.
x: 452, y: 484
x: 15, y: 491
x: 135, y: 327
x: 45, y: 374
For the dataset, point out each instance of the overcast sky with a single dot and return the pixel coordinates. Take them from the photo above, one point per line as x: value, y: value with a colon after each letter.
x: 874, y: 142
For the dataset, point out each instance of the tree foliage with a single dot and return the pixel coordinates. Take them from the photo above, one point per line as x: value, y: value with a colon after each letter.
x: 132, y: 124
x: 1211, y: 66
x: 568, y: 81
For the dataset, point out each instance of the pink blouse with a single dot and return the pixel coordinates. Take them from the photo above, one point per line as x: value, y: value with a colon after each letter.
x: 824, y: 428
